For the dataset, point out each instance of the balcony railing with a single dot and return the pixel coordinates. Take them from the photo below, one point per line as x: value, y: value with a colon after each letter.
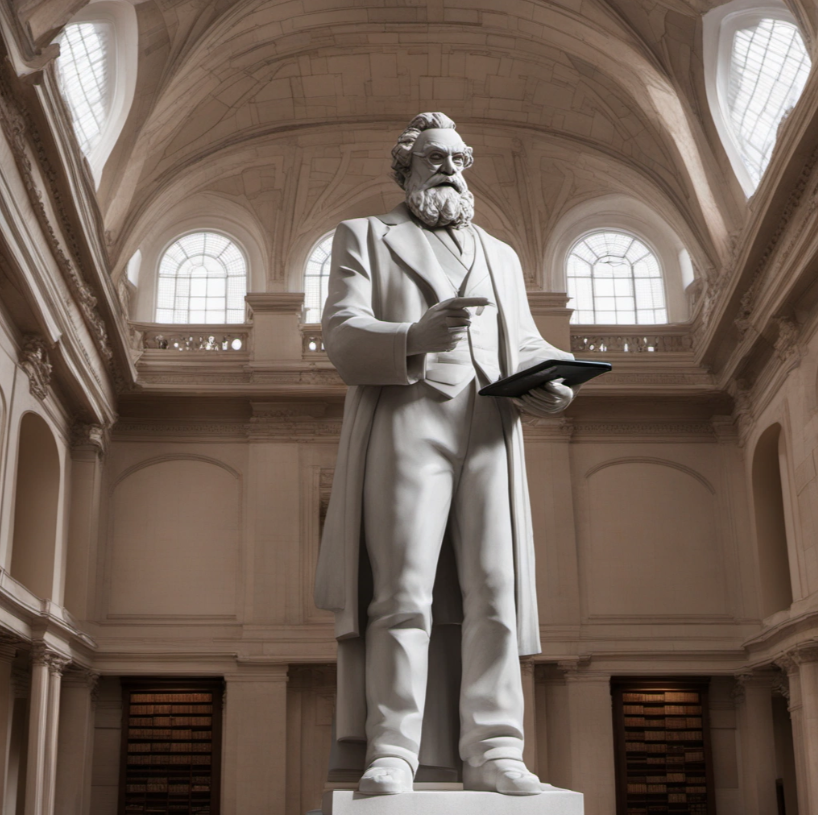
x: 605, y: 339
x: 191, y: 338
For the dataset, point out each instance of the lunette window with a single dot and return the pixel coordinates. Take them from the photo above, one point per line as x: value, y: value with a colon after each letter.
x: 614, y: 278
x: 202, y: 279
x: 85, y: 79
x: 769, y: 66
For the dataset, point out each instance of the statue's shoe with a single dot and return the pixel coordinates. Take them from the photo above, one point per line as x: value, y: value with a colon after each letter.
x: 503, y: 775
x: 386, y: 776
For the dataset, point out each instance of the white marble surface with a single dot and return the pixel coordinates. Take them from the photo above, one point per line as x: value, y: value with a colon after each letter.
x: 553, y: 801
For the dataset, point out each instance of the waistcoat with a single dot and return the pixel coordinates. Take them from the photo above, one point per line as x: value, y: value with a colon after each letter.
x: 479, y: 353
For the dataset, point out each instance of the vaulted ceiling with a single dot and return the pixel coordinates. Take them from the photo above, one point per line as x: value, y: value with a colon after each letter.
x: 562, y: 99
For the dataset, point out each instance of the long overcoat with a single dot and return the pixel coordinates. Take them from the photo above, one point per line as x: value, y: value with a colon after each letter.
x: 384, y: 276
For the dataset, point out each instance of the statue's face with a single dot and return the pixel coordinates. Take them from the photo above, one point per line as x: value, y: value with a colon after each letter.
x: 438, y: 160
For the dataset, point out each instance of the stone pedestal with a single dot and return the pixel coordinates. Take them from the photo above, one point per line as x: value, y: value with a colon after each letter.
x: 554, y: 801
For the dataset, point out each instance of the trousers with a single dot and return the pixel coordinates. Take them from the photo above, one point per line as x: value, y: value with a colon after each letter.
x: 436, y: 464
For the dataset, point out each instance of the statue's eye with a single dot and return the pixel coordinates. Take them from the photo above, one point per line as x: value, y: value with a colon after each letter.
x: 459, y: 159
x: 436, y: 158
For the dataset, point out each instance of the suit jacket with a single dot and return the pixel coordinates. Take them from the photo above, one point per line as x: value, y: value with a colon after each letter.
x: 383, y: 277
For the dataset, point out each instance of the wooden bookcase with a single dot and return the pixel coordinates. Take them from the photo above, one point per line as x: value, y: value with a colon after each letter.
x: 661, y: 732
x: 171, y: 746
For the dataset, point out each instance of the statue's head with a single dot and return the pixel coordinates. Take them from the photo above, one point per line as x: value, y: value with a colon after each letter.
x: 428, y: 163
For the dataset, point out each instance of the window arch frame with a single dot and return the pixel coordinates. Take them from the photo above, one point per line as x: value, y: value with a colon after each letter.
x: 668, y: 238
x: 719, y: 27
x: 194, y: 231
x: 623, y: 231
x: 329, y: 234
x: 122, y: 65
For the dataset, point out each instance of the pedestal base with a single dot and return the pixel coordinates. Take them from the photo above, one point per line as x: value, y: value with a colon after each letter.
x: 553, y: 801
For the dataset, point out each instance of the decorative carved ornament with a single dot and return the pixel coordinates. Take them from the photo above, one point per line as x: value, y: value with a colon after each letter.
x: 34, y: 361
x: 749, y: 298
x: 19, y: 131
x: 43, y: 654
x: 88, y: 435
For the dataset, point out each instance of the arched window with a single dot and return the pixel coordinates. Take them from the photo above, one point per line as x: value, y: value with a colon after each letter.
x: 85, y: 79
x: 316, y: 279
x: 202, y: 279
x: 756, y: 67
x: 614, y: 278
x: 96, y: 71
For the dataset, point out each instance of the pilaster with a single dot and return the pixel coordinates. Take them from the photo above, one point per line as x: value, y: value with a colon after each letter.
x: 788, y: 662
x: 76, y: 742
x: 47, y: 666
x: 753, y: 695
x: 255, y: 739
x: 590, y: 709
x: 8, y: 650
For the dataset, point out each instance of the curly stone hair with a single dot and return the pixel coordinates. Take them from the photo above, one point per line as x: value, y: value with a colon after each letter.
x: 402, y: 151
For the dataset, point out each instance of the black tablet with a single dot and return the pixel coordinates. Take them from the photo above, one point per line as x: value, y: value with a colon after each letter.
x: 572, y: 371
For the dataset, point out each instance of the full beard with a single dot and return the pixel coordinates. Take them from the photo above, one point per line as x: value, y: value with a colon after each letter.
x: 442, y: 206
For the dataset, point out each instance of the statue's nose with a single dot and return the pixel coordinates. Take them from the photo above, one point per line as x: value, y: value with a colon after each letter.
x: 448, y: 166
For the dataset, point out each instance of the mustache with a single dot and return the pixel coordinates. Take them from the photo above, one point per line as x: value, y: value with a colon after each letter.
x: 443, y: 180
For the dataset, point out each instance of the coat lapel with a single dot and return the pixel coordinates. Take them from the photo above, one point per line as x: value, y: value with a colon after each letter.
x: 409, y: 244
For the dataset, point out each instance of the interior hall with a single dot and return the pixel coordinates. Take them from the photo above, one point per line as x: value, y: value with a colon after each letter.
x: 171, y: 174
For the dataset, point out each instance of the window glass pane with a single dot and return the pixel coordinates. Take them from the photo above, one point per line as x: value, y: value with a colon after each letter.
x: 613, y: 277
x: 203, y: 278
x: 84, y: 76
x: 769, y: 66
x: 316, y: 280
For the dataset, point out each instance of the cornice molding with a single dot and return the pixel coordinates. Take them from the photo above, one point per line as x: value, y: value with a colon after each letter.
x: 19, y: 131
x: 276, y: 302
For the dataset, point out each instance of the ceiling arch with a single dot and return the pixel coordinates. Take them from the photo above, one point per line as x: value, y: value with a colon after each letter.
x: 263, y: 69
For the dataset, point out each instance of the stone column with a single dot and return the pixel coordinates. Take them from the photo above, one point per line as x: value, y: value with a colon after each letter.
x: 8, y: 650
x: 56, y: 665
x: 13, y: 799
x: 753, y: 694
x: 790, y: 664
x: 46, y: 671
x: 530, y: 720
x: 255, y: 740
x: 807, y: 658
x: 590, y: 710
x: 76, y: 742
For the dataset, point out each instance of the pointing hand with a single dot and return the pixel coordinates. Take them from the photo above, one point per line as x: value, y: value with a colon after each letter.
x: 443, y: 325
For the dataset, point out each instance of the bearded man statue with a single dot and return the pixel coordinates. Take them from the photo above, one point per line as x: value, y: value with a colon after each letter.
x: 427, y: 553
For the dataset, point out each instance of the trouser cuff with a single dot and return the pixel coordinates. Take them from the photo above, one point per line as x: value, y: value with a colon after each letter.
x: 478, y: 760
x: 410, y: 758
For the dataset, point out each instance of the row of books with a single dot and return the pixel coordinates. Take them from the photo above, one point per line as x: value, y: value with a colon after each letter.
x: 168, y: 759
x: 661, y: 747
x: 170, y: 721
x: 167, y: 733
x: 169, y: 747
x: 655, y: 788
x: 153, y: 710
x: 665, y: 778
x: 158, y: 698
x: 667, y: 696
x: 662, y: 710
x: 664, y: 735
x: 671, y: 722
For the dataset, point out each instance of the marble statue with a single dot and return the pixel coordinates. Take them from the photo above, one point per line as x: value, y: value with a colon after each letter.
x: 425, y: 308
